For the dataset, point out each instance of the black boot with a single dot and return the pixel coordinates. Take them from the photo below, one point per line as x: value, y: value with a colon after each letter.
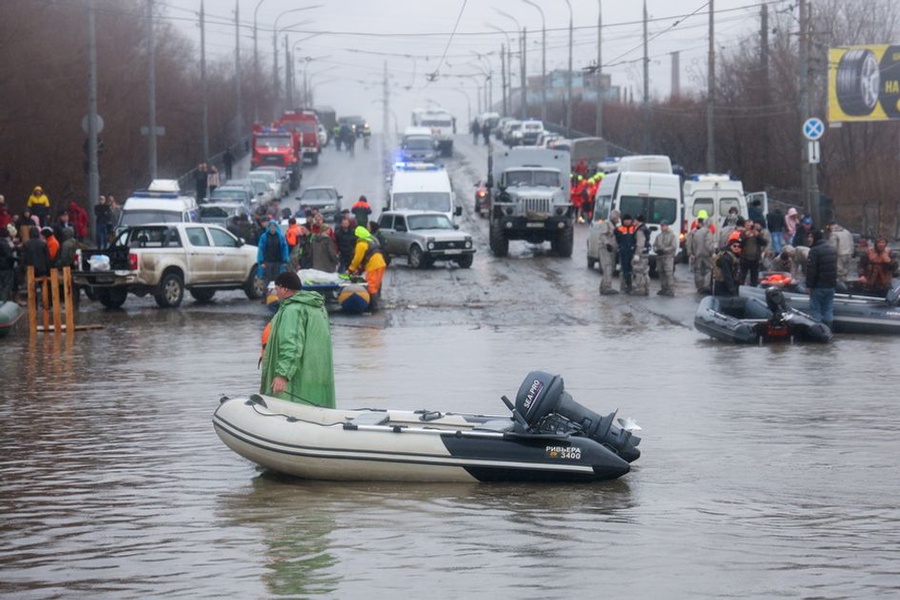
x: 373, y: 302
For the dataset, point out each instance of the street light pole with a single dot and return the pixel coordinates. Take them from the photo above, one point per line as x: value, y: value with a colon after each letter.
x: 505, y: 67
x: 543, y: 60
x: 256, y: 64
x: 599, y: 130
x: 275, y: 52
x: 151, y: 129
x: 569, y: 78
x: 521, y: 65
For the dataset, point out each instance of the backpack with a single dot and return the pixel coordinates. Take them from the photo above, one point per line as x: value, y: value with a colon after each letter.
x: 373, y: 248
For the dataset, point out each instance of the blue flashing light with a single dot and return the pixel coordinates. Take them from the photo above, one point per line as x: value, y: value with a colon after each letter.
x: 412, y: 166
x: 151, y: 194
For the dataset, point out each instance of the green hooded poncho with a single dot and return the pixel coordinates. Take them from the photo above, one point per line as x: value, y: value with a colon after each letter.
x: 299, y: 349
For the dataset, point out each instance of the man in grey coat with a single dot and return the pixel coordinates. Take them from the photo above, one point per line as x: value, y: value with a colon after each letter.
x: 607, y: 252
x: 700, y: 245
x: 666, y: 246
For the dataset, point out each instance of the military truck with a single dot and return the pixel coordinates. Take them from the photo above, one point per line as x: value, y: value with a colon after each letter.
x: 528, y: 196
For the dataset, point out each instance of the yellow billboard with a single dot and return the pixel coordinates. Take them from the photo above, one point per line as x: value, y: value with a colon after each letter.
x: 864, y: 83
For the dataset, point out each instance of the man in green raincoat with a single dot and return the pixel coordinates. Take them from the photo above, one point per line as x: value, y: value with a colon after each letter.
x: 297, y: 363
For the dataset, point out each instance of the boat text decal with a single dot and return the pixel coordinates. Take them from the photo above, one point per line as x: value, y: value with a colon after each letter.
x: 564, y: 452
x: 533, y: 391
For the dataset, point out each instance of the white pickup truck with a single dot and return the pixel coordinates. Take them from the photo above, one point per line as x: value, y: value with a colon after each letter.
x: 165, y: 259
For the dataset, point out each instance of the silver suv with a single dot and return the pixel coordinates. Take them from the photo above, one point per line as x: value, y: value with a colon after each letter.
x: 424, y: 236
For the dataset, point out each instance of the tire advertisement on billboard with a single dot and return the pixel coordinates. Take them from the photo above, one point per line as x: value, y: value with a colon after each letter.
x: 864, y: 83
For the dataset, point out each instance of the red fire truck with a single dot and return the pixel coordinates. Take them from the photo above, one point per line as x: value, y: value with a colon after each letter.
x: 276, y: 146
x: 305, y: 126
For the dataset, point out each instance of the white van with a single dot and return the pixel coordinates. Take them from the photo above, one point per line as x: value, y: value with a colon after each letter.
x: 655, y: 195
x: 422, y: 186
x: 147, y: 206
x: 716, y: 194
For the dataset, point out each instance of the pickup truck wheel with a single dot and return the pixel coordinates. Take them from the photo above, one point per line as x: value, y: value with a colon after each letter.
x: 203, y: 295
x: 170, y: 291
x: 465, y: 261
x: 113, y: 297
x: 417, y: 258
x: 498, y: 242
x: 255, y: 285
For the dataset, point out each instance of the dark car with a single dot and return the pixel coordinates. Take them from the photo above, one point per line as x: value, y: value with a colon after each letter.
x: 324, y: 198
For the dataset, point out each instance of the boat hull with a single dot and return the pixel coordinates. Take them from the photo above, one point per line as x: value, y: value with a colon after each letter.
x: 742, y: 320
x: 852, y: 313
x: 367, y: 445
x: 10, y: 313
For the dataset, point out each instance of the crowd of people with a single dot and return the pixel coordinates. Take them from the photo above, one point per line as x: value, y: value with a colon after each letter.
x: 738, y: 250
x: 354, y: 246
x: 44, y: 236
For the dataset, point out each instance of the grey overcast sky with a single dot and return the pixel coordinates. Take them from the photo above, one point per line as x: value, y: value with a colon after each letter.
x: 348, y: 42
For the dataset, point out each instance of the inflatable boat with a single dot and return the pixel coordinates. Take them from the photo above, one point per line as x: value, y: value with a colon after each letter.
x: 546, y: 436
x: 757, y: 320
x: 853, y: 313
x: 10, y: 313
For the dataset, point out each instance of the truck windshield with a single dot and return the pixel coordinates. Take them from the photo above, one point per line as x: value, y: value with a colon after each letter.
x: 653, y: 209
x: 437, y: 123
x: 532, y: 178
x: 429, y: 222
x: 301, y: 126
x: 273, y: 142
x: 422, y: 201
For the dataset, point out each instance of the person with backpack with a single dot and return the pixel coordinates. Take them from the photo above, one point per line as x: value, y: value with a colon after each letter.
x: 369, y: 258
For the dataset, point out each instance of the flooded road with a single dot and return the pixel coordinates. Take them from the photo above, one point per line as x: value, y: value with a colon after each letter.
x: 766, y: 471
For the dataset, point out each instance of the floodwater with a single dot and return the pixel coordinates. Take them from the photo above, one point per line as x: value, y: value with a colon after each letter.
x: 767, y: 471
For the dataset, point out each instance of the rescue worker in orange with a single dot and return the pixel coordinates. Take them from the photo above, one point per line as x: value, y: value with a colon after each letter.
x: 295, y: 237
x: 576, y: 193
x: 361, y: 210
x: 52, y: 244
x: 368, y: 257
x: 877, y: 268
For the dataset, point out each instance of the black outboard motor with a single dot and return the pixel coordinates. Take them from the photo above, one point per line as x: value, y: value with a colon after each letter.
x: 547, y: 408
x: 776, y: 303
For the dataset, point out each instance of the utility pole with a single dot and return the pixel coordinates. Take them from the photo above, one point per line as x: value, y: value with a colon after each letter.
x: 804, y: 105
x: 93, y: 167
x: 503, y: 76
x: 711, y: 94
x: 524, y: 63
x: 569, y: 78
x: 386, y: 109
x: 599, y: 128
x: 764, y: 77
x: 151, y: 84
x: 239, y: 120
x: 203, y: 90
x: 646, y: 85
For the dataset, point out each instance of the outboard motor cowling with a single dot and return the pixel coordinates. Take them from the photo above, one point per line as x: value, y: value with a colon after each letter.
x: 542, y: 399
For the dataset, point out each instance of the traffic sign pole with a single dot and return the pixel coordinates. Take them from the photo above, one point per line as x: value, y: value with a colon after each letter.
x: 813, y: 130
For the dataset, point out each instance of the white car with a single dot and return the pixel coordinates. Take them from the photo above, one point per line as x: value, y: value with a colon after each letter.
x: 270, y: 179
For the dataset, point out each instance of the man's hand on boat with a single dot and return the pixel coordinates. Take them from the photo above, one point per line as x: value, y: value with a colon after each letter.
x: 279, y: 384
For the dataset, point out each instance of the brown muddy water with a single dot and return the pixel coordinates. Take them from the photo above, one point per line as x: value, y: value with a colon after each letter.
x: 766, y: 471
